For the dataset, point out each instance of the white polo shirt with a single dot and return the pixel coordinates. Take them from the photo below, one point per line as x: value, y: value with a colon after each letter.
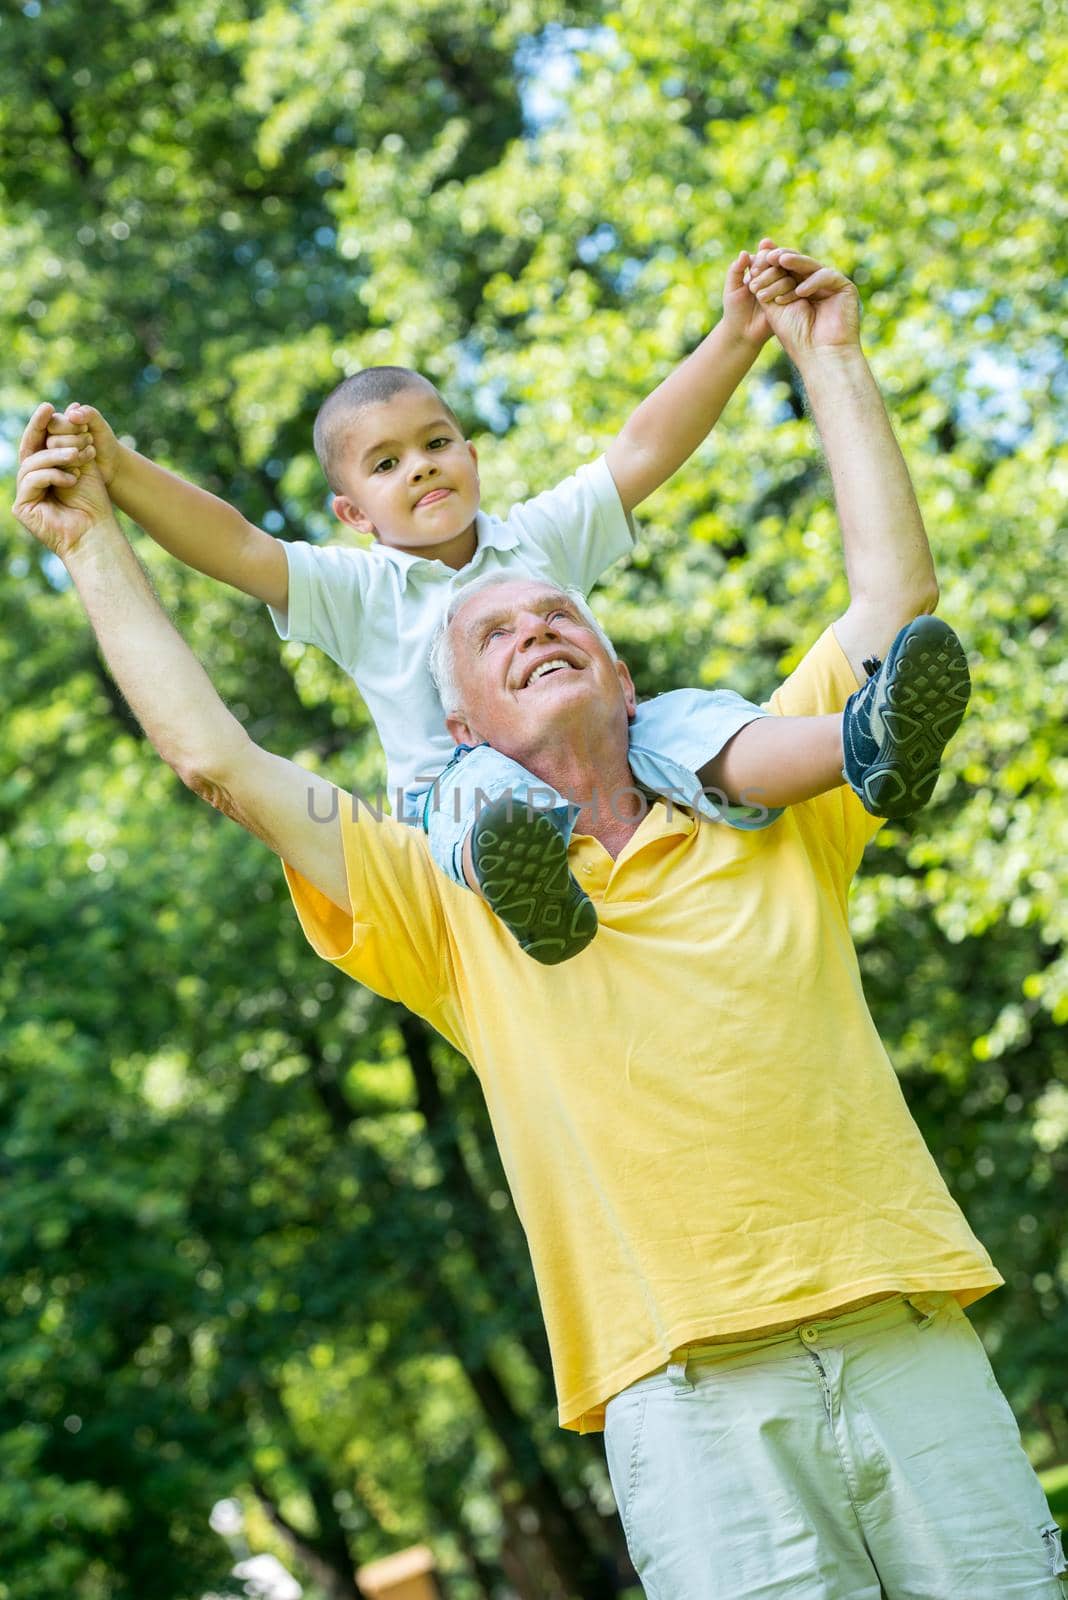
x: 375, y: 611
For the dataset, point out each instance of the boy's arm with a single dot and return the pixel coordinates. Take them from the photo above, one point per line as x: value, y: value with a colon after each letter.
x: 670, y: 423
x: 197, y: 527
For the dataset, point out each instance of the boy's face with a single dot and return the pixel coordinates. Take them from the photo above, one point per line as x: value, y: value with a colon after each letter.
x: 410, y: 477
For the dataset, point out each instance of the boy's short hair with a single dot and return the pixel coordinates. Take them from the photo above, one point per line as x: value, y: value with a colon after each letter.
x: 367, y: 388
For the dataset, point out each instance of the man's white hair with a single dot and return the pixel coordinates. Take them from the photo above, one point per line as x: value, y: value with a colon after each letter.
x: 442, y: 655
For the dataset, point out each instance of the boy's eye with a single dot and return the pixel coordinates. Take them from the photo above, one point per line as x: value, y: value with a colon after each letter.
x: 443, y: 440
x: 383, y: 465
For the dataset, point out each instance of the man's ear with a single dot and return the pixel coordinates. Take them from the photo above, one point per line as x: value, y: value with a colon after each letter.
x: 461, y: 730
x: 347, y: 511
x: 630, y: 694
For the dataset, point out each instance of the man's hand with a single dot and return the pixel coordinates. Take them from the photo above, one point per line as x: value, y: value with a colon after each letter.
x: 59, y: 493
x: 821, y: 313
x: 193, y: 525
x: 744, y: 314
x: 81, y: 425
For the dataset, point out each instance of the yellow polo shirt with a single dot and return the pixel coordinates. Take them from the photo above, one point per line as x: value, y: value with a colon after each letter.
x: 703, y: 1134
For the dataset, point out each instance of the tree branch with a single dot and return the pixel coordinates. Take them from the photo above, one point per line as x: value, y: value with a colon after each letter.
x: 334, y: 1584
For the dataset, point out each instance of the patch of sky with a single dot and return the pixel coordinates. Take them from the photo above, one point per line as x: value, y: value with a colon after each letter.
x: 54, y: 570
x: 997, y: 396
x: 770, y: 401
x: 595, y: 244
x: 486, y: 396
x: 624, y: 277
x: 628, y: 275
x: 491, y: 406
x: 547, y: 65
x: 962, y: 302
x: 266, y: 1578
x: 999, y: 392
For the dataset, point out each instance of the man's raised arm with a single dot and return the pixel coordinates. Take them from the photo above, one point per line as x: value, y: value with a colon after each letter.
x: 888, y: 560
x: 168, y: 690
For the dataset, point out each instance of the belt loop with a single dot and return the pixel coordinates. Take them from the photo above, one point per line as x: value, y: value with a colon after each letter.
x: 926, y: 1307
x: 677, y: 1373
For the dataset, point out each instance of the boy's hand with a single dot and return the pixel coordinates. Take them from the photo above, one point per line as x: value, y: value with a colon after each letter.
x: 821, y: 313
x: 60, y: 493
x: 81, y: 425
x: 744, y: 315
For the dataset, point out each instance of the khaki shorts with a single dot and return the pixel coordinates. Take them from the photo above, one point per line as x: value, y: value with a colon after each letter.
x: 870, y: 1456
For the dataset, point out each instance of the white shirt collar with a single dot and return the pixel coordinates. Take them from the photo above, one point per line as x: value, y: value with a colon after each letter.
x: 491, y: 533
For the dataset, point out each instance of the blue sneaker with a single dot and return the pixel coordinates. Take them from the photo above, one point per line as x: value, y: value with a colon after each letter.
x: 895, y: 728
x: 520, y: 859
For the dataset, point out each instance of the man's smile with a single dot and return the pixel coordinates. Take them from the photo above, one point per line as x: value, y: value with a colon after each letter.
x: 546, y: 666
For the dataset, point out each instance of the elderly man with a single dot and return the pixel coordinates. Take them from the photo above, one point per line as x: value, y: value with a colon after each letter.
x: 751, y: 1272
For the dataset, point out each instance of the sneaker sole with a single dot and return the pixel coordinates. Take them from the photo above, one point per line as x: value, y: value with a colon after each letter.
x: 926, y: 691
x: 521, y: 864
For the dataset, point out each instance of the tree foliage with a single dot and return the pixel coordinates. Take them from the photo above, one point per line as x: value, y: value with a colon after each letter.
x: 254, y: 1238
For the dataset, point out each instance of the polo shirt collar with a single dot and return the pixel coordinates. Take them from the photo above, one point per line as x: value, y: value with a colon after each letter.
x: 661, y: 821
x: 595, y: 869
x: 491, y: 533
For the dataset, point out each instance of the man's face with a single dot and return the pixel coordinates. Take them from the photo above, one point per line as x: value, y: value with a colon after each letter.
x: 531, y: 671
x: 409, y: 476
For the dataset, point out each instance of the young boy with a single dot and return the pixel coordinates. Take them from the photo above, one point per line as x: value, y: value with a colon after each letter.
x: 400, y: 469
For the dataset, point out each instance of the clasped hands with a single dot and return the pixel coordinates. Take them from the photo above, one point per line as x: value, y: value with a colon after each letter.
x: 59, y: 491
x: 808, y: 307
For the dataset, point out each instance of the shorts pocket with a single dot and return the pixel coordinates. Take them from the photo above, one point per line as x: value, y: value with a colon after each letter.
x: 1054, y: 1543
x: 624, y: 1426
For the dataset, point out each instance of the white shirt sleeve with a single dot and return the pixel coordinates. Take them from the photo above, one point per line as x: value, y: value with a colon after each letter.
x: 327, y: 600
x: 580, y: 526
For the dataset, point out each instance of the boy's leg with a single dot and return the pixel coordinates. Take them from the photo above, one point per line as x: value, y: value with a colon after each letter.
x: 519, y: 859
x: 779, y: 761
x: 675, y: 740
x: 887, y: 744
x: 896, y: 727
x: 495, y: 828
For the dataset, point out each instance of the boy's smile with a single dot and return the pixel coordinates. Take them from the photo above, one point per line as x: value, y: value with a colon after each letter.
x: 411, y: 478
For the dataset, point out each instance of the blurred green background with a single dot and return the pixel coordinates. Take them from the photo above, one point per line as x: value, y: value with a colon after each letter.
x: 255, y: 1244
